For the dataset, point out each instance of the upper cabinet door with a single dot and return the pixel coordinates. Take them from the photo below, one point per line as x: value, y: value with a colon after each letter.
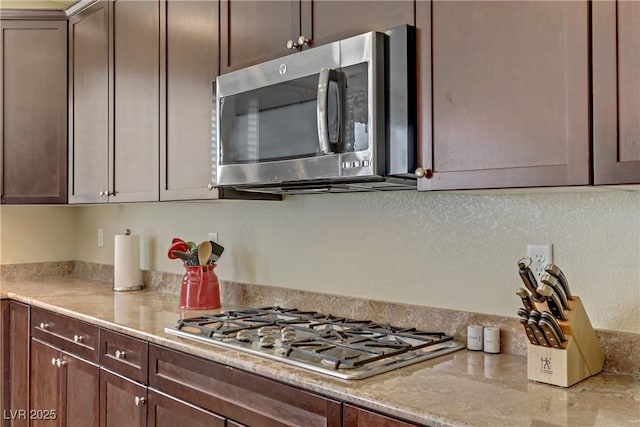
x: 136, y: 170
x: 191, y: 67
x: 89, y: 104
x: 33, y: 128
x: 510, y: 94
x: 256, y: 31
x: 616, y: 92
x: 327, y: 21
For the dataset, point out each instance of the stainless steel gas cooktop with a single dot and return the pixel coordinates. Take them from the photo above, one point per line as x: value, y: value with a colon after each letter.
x: 336, y: 346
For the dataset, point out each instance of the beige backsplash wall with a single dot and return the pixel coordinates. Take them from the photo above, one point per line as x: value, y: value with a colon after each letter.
x: 455, y: 251
x: 37, y: 233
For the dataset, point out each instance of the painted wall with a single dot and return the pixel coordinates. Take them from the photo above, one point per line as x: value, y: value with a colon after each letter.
x: 37, y: 233
x: 455, y: 251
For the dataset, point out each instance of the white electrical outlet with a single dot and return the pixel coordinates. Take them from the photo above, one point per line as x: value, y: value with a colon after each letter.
x: 213, y: 237
x: 540, y: 255
x: 100, y: 238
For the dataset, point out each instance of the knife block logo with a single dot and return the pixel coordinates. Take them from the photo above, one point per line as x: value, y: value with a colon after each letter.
x: 545, y: 365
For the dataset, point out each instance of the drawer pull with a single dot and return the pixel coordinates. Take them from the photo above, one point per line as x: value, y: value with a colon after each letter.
x: 121, y: 354
x: 78, y: 338
x: 44, y: 326
x: 139, y: 401
x: 58, y: 362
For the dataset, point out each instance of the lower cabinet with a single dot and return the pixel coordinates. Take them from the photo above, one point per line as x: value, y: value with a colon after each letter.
x: 166, y: 411
x: 65, y: 388
x: 122, y: 402
x: 15, y: 355
x: 85, y: 376
x: 4, y: 360
x: 358, y: 417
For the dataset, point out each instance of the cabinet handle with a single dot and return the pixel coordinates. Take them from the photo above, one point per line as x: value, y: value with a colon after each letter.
x: 110, y: 193
x: 424, y: 173
x: 103, y: 193
x: 139, y: 400
x: 121, y: 354
x: 303, y: 41
x: 78, y: 338
x: 291, y: 44
x: 60, y: 363
x: 44, y: 326
x: 210, y: 186
x: 53, y: 361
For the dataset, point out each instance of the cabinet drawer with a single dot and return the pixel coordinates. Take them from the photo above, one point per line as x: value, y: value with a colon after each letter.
x: 124, y: 355
x: 244, y: 397
x: 358, y: 417
x: 72, y: 335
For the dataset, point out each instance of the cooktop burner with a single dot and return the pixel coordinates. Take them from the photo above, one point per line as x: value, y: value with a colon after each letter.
x: 337, y: 346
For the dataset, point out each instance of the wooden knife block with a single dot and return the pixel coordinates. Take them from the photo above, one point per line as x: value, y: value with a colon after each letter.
x: 581, y: 357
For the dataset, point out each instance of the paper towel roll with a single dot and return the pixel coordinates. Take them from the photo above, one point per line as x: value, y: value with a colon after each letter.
x: 126, y: 268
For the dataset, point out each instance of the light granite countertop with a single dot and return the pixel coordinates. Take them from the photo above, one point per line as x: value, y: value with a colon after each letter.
x: 461, y: 389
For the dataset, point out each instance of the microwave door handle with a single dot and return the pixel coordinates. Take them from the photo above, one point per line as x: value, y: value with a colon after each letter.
x: 322, y: 111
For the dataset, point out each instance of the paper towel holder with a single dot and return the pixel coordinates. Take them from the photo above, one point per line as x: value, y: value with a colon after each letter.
x: 127, y: 274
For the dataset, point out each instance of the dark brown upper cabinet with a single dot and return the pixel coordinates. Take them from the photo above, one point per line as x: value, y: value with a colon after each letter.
x: 90, y: 104
x: 257, y: 31
x: 504, y: 94
x: 33, y: 128
x: 616, y: 92
x: 115, y: 113
x: 191, y: 66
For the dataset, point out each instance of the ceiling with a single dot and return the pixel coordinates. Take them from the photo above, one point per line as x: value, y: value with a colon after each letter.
x: 32, y: 4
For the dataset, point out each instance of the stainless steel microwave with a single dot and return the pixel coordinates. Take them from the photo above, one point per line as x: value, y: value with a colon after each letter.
x: 335, y: 118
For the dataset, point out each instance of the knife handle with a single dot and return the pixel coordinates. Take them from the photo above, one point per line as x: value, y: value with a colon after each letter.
x: 556, y: 272
x: 529, y: 280
x: 555, y: 307
x: 529, y: 332
x: 549, y: 280
x: 526, y: 299
x: 550, y: 333
x: 556, y: 326
x: 538, y: 333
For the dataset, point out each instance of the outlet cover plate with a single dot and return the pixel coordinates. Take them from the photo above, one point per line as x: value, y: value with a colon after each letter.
x: 541, y: 255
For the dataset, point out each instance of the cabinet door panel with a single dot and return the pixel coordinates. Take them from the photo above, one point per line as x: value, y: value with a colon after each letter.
x: 117, y: 401
x: 136, y: 101
x: 510, y: 94
x: 616, y: 92
x: 45, y: 395
x: 629, y: 80
x: 33, y: 129
x: 5, y: 400
x: 357, y: 417
x: 326, y: 21
x: 256, y: 31
x: 81, y: 403
x: 165, y: 411
x: 18, y: 352
x: 90, y: 128
x: 191, y: 67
